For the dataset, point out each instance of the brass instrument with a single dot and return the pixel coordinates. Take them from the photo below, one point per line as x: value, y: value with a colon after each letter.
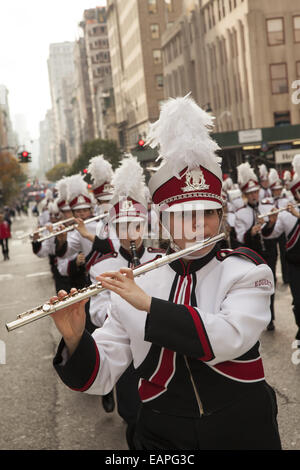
x: 276, y: 211
x: 42, y: 229
x: 94, y: 289
x: 70, y: 227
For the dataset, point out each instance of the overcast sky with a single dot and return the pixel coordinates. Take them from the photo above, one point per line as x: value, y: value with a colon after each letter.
x: 27, y: 27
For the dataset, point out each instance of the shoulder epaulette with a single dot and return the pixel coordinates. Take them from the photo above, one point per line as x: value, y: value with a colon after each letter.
x: 241, y: 251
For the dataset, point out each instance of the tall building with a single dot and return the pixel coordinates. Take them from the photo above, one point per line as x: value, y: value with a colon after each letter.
x: 240, y: 59
x: 135, y: 28
x: 8, y: 138
x: 61, y: 79
x: 94, y: 27
x: 47, y: 143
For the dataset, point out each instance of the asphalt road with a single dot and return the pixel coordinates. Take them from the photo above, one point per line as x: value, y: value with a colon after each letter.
x: 38, y: 412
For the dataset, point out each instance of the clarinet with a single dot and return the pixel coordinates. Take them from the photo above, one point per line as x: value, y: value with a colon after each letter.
x: 135, y: 259
x: 261, y: 238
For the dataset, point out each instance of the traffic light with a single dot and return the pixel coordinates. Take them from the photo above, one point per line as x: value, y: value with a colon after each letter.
x: 24, y: 157
x: 141, y: 144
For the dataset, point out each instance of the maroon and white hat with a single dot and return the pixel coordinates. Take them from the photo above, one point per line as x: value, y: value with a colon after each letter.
x: 274, y: 180
x: 101, y: 173
x: 62, y: 191
x: 190, y: 177
x: 77, y: 192
x: 294, y: 185
x: 247, y: 179
x: 128, y: 203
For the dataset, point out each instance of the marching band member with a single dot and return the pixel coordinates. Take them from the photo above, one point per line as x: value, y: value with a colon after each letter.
x: 128, y: 215
x: 48, y: 248
x: 192, y: 337
x: 287, y: 178
x: 44, y: 217
x: 288, y: 222
x: 264, y: 191
x: 280, y: 200
x: 248, y: 226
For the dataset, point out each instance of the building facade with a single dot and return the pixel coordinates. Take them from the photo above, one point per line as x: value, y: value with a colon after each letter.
x: 241, y: 60
x: 135, y: 28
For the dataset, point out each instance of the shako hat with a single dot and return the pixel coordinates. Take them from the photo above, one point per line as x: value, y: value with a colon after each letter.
x: 101, y: 173
x: 190, y: 176
x: 77, y: 192
x: 128, y: 203
x: 247, y: 178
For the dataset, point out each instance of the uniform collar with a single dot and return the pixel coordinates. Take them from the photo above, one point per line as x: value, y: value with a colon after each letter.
x: 194, y: 265
x: 128, y: 255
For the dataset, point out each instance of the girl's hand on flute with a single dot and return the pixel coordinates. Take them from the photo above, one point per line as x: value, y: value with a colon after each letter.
x: 123, y: 284
x: 70, y: 321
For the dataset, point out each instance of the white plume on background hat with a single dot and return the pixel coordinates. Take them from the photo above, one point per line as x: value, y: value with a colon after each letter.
x: 77, y: 192
x: 53, y: 208
x: 182, y: 135
x: 263, y: 172
x: 296, y: 166
x: 294, y: 185
x: 287, y: 176
x: 274, y: 179
x: 101, y: 173
x: 247, y: 178
x: 129, y: 184
x: 48, y: 195
x: 62, y: 196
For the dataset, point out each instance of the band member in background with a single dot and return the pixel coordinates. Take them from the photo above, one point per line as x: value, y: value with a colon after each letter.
x: 128, y: 215
x: 288, y: 222
x: 248, y: 226
x: 280, y: 200
x: 193, y: 339
x: 264, y: 191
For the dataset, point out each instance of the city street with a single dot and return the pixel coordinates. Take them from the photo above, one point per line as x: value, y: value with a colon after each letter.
x: 39, y: 412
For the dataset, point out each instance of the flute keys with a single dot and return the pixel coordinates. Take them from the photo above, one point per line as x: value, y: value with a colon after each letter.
x: 46, y: 308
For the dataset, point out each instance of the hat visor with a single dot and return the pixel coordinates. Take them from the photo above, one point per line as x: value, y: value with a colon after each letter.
x: 193, y: 206
x: 107, y: 197
x: 81, y: 206
x: 251, y: 190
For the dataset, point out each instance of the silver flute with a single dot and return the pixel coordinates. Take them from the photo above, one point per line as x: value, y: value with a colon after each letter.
x: 42, y: 229
x: 276, y: 211
x: 70, y: 227
x: 94, y: 289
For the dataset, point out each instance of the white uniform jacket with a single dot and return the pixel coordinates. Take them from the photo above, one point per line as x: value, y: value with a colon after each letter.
x: 197, y: 349
x: 100, y: 304
x: 45, y: 248
x: 288, y: 224
x: 246, y: 217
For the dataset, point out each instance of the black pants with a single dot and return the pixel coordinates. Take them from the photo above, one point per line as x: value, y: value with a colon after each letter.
x: 294, y: 281
x: 247, y: 424
x: 281, y: 242
x: 4, y: 244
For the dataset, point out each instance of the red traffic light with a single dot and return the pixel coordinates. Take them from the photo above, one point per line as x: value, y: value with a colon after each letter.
x: 85, y: 171
x: 141, y: 143
x: 24, y: 154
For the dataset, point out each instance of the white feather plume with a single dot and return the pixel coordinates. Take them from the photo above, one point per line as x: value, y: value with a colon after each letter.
x: 62, y: 189
x: 273, y: 176
x: 227, y: 184
x: 245, y: 174
x: 287, y: 176
x: 263, y: 171
x: 76, y: 186
x: 100, y: 170
x: 182, y: 135
x: 129, y: 179
x: 296, y: 166
x: 52, y: 207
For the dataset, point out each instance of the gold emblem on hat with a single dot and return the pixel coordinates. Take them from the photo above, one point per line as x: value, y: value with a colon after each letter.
x: 126, y: 206
x: 195, y: 181
x: 80, y: 200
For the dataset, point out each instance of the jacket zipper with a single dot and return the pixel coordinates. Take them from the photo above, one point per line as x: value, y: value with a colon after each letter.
x: 199, y: 402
